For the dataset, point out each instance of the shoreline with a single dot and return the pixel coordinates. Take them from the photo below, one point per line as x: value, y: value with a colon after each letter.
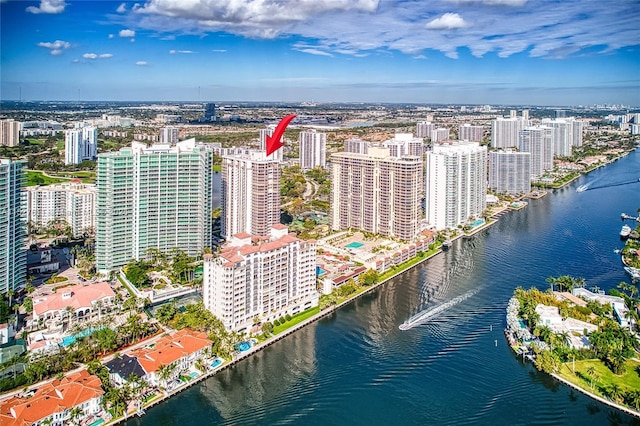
x: 598, y: 398
x: 332, y: 309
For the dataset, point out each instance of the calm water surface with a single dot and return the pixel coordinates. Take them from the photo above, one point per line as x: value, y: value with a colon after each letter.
x: 357, y: 367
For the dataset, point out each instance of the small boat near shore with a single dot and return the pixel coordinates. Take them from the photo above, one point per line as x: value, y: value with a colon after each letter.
x: 625, y: 231
x: 633, y: 272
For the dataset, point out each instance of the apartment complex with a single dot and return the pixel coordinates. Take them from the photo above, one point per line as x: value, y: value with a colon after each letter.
x: 424, y: 128
x: 357, y: 146
x: 567, y: 133
x: 510, y: 172
x: 169, y: 134
x: 313, y: 149
x: 467, y: 132
x: 505, y: 131
x: 538, y: 141
x: 10, y: 132
x: 278, y: 154
x: 155, y: 197
x: 250, y: 193
x: 73, y: 202
x: 404, y: 144
x: 456, y: 183
x: 265, y: 276
x: 13, y: 227
x: 439, y: 135
x: 80, y: 143
x: 376, y: 193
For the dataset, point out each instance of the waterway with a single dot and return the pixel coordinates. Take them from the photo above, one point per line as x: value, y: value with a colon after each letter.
x: 357, y: 367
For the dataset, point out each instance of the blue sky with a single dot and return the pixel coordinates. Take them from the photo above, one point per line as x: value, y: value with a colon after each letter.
x: 538, y: 52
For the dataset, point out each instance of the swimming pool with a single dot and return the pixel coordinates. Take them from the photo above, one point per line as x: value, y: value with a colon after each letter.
x: 354, y: 245
x: 69, y: 340
x: 216, y: 362
x: 243, y: 346
x: 477, y: 223
x: 320, y: 271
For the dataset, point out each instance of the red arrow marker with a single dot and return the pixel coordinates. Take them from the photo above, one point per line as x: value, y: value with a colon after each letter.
x: 273, y: 141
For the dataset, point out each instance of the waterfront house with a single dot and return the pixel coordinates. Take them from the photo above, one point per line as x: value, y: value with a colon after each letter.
x: 550, y: 317
x: 54, y: 402
x: 120, y: 369
x: 82, y: 298
x: 617, y: 303
x: 178, y: 352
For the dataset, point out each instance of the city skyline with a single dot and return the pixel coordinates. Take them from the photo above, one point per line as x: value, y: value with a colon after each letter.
x: 449, y: 51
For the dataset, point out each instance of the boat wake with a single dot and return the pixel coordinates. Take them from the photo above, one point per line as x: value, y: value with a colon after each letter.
x: 582, y: 188
x: 424, y: 316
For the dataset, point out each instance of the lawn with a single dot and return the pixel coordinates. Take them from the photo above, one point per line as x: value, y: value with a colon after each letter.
x: 35, y: 177
x: 627, y: 382
x: 296, y: 320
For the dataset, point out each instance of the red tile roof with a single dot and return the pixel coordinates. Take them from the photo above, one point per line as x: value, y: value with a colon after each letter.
x: 171, y: 348
x: 81, y: 297
x: 53, y: 397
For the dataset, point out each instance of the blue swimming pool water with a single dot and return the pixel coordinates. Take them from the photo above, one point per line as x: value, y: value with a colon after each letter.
x: 320, y: 271
x: 354, y: 245
x: 243, y: 346
x: 69, y: 340
x: 477, y: 223
x: 216, y: 362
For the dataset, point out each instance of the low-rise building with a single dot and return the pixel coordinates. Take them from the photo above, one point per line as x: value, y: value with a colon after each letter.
x: 83, y: 299
x: 53, y: 402
x: 177, y: 351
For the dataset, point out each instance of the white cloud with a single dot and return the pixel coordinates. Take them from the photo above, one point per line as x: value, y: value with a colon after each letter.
x: 141, y: 63
x: 172, y: 52
x: 96, y: 56
x: 313, y: 51
x: 133, y: 40
x: 448, y: 21
x: 122, y: 8
x: 111, y: 36
x: 187, y: 52
x: 219, y: 50
x: 362, y: 27
x: 56, y: 47
x: 514, y: 3
x: 51, y: 7
x: 127, y: 33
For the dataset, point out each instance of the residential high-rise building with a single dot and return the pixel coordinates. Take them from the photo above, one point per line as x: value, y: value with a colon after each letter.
x: 169, y: 135
x: 250, y: 193
x: 269, y: 279
x: 156, y: 197
x: 357, y: 146
x: 13, y: 227
x: 313, y: 149
x: 404, y: 144
x: 510, y: 172
x: 10, y: 132
x: 376, y: 193
x: 279, y: 153
x: 563, y: 135
x: 456, y: 183
x: 439, y: 135
x: 539, y: 142
x: 73, y: 202
x: 423, y: 129
x: 80, y: 144
x: 505, y: 131
x: 467, y: 132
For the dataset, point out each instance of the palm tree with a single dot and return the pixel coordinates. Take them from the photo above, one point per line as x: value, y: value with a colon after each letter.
x: 552, y: 281
x: 615, y: 392
x: 75, y: 414
x: 10, y: 295
x: 591, y: 372
x: 200, y: 365
x: 633, y: 399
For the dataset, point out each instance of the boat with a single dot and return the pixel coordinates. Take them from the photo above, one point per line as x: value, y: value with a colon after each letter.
x: 633, y: 272
x: 625, y: 231
x: 446, y: 244
x: 617, y: 251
